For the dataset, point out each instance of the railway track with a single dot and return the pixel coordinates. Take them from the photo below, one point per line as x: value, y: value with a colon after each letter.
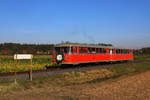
x: 58, y: 70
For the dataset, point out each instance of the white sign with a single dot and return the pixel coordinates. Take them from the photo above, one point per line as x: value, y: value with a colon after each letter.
x: 23, y: 56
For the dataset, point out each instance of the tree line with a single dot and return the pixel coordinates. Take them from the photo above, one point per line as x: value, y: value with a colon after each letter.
x: 143, y: 51
x: 13, y: 48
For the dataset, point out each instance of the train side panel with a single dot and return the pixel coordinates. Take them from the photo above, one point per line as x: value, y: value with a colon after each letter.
x: 76, y: 59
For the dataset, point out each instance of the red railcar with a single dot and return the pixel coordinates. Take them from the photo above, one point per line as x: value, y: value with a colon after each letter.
x: 84, y: 53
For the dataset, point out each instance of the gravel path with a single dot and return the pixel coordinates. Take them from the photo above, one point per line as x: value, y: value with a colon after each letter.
x: 131, y: 87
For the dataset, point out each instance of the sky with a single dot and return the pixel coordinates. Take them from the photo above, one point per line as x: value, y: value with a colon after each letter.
x: 123, y: 23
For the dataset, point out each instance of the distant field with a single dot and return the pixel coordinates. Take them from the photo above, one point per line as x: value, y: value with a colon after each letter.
x: 142, y: 58
x: 7, y: 63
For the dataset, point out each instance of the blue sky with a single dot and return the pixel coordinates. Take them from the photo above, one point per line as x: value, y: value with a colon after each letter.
x: 124, y: 23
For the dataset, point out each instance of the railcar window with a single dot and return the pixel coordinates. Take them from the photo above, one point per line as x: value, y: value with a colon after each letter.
x: 129, y: 52
x: 122, y: 51
x: 104, y: 50
x: 117, y: 51
x: 61, y: 49
x: 64, y: 50
x: 101, y: 50
x: 89, y: 51
x: 97, y: 50
x: 83, y: 50
x: 93, y: 50
x: 75, y: 50
x: 57, y: 49
x: 126, y: 51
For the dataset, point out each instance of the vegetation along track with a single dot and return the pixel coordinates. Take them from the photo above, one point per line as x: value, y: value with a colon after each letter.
x: 4, y: 77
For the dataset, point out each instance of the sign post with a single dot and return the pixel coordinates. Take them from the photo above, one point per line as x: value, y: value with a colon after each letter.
x: 23, y: 56
x: 31, y: 69
x: 15, y: 68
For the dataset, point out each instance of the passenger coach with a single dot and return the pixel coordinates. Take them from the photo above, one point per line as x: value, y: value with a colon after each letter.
x: 84, y: 53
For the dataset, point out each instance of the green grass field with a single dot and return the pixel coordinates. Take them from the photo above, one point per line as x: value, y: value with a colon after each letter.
x: 142, y: 58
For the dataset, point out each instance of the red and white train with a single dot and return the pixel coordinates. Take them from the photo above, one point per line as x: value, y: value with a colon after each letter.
x: 86, y: 53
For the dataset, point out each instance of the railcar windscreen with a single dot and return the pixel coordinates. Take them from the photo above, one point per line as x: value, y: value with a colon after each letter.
x: 64, y: 50
x: 61, y: 49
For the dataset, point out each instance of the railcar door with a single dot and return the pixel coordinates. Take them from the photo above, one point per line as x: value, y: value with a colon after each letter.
x: 111, y: 54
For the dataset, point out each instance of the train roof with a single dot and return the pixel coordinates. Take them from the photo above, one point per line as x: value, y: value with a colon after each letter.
x: 86, y: 45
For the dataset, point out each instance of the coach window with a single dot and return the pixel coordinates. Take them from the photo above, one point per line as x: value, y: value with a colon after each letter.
x: 97, y: 50
x: 121, y: 51
x: 89, y: 50
x: 64, y: 50
x: 93, y: 50
x: 117, y: 51
x: 83, y: 50
x: 75, y: 50
x: 124, y: 51
x: 57, y: 49
x: 128, y: 51
x: 104, y: 50
x: 101, y: 50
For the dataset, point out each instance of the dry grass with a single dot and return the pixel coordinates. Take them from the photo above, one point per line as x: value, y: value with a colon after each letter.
x: 131, y: 87
x: 80, y: 77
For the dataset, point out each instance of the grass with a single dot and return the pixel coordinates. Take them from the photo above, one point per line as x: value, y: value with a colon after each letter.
x: 77, y: 78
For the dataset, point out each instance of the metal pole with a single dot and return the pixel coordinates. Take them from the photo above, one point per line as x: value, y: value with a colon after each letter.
x: 31, y: 70
x: 15, y: 69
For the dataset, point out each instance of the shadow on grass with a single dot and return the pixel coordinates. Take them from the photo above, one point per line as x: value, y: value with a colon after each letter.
x: 68, y: 98
x: 101, y: 79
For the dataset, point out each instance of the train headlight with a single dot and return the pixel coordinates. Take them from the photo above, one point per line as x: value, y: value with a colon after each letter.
x: 59, y: 57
